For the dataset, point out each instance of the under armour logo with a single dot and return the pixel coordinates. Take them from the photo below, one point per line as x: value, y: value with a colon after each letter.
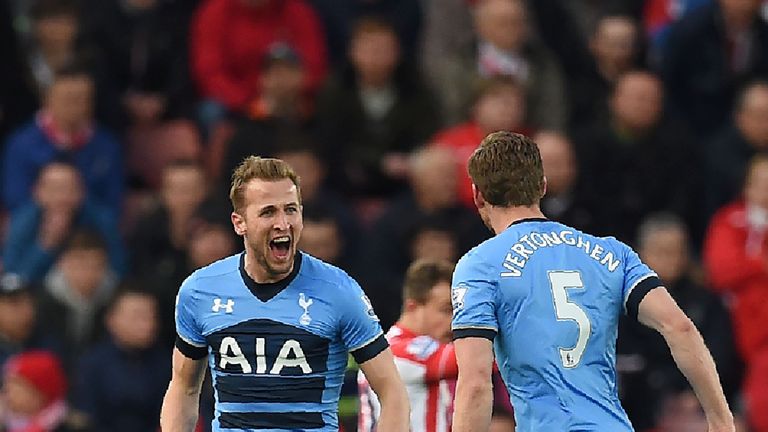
x: 228, y: 307
x: 305, y: 319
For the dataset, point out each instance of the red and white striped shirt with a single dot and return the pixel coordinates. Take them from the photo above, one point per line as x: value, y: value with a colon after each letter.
x: 428, y: 369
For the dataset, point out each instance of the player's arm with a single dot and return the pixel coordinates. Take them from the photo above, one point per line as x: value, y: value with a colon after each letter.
x: 473, y: 294
x: 180, y: 406
x: 474, y: 390
x: 659, y: 311
x: 382, y: 376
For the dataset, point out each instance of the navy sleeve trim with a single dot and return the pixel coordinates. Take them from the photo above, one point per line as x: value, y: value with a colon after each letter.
x: 474, y: 332
x: 189, y: 350
x: 638, y: 294
x: 371, y: 350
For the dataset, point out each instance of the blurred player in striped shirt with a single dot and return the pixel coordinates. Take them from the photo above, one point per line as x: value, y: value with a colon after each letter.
x: 424, y: 356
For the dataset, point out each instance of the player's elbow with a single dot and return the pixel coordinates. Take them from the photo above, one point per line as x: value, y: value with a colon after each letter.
x: 680, y: 326
x: 474, y: 386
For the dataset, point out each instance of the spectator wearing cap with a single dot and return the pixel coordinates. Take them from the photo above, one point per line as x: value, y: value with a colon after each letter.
x: 34, y: 391
x: 65, y: 129
x: 374, y: 111
x: 121, y: 381
x: 19, y: 329
x: 229, y: 40
x: 39, y: 229
x: 281, y: 111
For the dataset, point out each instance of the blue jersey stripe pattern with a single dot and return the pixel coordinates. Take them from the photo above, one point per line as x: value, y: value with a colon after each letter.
x: 277, y: 363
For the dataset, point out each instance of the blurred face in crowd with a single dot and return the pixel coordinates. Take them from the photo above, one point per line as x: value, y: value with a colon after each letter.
x: 210, y: 245
x: 21, y: 397
x: 434, y: 315
x: 558, y: 161
x: 56, y: 34
x: 613, y: 44
x: 183, y: 189
x: 666, y: 252
x: 59, y: 188
x: 69, y: 100
x: 637, y: 101
x: 132, y: 321
x: 17, y: 316
x: 756, y: 187
x: 740, y: 12
x: 500, y: 108
x: 321, y: 239
x: 434, y: 245
x: 84, y: 269
x: 282, y: 81
x: 502, y: 23
x: 309, y: 169
x: 271, y: 222
x: 375, y: 54
x: 752, y: 116
x: 433, y: 178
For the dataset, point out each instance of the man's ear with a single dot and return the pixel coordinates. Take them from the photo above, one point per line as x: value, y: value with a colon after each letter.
x: 238, y: 223
x: 544, y: 187
x: 409, y: 305
x: 477, y: 197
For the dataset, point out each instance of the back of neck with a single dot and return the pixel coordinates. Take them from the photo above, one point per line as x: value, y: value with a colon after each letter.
x: 502, y: 217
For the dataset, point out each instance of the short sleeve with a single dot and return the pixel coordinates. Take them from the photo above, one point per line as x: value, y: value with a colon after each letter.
x: 189, y: 338
x: 360, y: 329
x: 639, y: 280
x: 473, y: 295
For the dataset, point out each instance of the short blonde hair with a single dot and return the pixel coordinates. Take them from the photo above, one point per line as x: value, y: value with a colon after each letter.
x: 255, y: 167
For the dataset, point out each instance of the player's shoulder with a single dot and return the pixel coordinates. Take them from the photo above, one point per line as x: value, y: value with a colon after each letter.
x: 413, y: 347
x: 221, y: 267
x: 325, y: 274
x: 218, y: 269
x: 480, y: 257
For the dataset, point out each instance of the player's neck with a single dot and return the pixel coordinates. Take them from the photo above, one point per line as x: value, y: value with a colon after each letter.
x: 408, y: 321
x: 502, y: 217
x: 259, y: 274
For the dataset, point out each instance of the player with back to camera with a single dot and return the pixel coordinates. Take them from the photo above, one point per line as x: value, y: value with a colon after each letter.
x: 546, y: 299
x: 275, y: 323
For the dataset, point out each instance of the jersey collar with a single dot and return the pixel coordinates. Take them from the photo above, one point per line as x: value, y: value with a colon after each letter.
x: 266, y: 291
x: 533, y: 219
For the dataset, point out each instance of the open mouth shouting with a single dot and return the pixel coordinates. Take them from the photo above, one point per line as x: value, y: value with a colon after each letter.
x: 280, y: 248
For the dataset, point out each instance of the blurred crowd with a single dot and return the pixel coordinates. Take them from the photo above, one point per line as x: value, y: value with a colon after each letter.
x: 121, y: 121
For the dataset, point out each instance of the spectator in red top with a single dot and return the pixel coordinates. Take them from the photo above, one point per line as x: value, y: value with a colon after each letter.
x: 736, y: 257
x: 500, y: 105
x: 230, y: 38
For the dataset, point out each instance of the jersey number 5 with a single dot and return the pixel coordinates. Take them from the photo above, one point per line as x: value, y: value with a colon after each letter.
x: 566, y: 310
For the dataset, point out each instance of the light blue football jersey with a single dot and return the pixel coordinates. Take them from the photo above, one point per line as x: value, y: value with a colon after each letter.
x: 550, y: 298
x: 277, y: 352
